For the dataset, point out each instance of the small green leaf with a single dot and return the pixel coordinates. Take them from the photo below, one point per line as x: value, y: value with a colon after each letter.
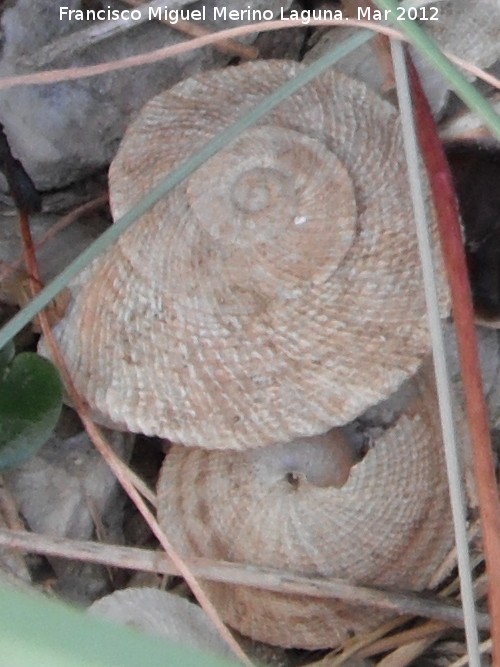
x: 30, y: 405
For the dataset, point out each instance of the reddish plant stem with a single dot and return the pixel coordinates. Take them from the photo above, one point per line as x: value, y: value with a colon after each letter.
x: 475, y: 405
x: 29, y: 253
x: 65, y: 221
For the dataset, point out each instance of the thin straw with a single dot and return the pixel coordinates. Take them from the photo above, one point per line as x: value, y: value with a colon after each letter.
x: 440, y: 365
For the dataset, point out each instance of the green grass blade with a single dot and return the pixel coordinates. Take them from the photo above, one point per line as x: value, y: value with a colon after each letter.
x: 35, y: 632
x: 174, y: 178
x: 463, y: 88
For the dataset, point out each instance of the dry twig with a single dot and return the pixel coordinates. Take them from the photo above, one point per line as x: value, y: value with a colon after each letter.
x: 65, y: 221
x: 134, y: 558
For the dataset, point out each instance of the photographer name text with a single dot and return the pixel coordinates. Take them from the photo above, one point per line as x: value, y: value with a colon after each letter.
x: 242, y: 15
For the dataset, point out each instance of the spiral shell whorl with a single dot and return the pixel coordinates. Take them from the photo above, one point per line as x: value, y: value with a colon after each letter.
x: 259, y: 218
x: 291, y: 315
x: 389, y: 525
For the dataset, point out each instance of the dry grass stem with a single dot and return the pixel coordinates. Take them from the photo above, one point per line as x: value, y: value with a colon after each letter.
x: 430, y: 631
x: 484, y: 647
x: 409, y: 604
x: 65, y: 221
x: 72, y: 73
x: 141, y: 486
x: 31, y: 264
x: 356, y: 645
x: 405, y: 655
x: 377, y: 642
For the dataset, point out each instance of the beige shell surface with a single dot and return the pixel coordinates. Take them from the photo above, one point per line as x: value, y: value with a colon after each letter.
x: 389, y: 525
x: 277, y: 291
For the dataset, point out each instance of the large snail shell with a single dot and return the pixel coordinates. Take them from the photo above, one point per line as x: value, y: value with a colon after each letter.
x: 389, y: 525
x: 273, y: 294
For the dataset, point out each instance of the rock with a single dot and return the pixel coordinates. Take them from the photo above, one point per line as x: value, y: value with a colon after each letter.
x: 53, y: 256
x: 464, y: 29
x: 63, y: 131
x: 493, y: 399
x: 363, y: 63
x: 467, y: 125
x: 468, y: 30
x: 57, y: 490
x: 489, y: 356
x: 284, y: 44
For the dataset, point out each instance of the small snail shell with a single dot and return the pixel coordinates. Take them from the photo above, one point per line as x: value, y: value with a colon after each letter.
x: 389, y: 525
x: 163, y: 614
x: 272, y: 295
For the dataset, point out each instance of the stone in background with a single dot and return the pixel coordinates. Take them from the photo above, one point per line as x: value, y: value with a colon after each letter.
x: 64, y: 131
